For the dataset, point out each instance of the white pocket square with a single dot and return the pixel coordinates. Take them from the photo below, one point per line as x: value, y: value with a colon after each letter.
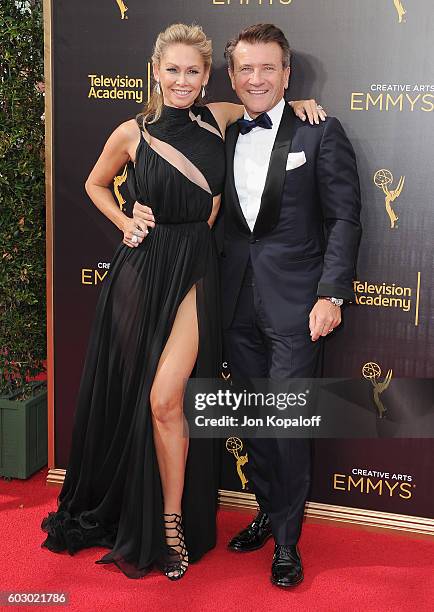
x: 295, y: 160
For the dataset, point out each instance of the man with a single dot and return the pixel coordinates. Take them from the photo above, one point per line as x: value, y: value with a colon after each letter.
x: 291, y: 233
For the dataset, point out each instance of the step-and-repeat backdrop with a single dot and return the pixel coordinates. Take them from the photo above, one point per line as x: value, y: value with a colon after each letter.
x: 369, y: 63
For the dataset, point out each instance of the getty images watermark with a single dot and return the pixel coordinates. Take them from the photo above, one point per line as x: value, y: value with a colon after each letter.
x: 309, y: 408
x: 227, y: 399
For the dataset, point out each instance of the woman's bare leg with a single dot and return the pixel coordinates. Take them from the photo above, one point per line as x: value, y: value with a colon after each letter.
x: 175, y: 366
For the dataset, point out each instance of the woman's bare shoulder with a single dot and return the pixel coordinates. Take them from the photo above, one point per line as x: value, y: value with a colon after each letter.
x: 128, y: 130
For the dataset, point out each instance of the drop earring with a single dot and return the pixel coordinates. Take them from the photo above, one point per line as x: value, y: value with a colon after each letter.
x: 203, y: 91
x: 157, y: 87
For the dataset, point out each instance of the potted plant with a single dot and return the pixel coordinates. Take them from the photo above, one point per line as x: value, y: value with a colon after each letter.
x: 23, y: 402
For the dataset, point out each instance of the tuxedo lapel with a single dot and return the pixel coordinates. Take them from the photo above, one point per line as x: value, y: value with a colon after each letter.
x: 271, y: 201
x: 234, y: 207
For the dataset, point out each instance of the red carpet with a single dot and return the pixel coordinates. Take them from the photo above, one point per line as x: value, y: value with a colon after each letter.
x: 345, y: 569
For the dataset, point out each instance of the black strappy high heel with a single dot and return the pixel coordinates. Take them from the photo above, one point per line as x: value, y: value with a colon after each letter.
x: 175, y: 563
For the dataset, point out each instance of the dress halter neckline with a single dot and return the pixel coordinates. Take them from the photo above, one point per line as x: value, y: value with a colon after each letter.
x: 174, y: 114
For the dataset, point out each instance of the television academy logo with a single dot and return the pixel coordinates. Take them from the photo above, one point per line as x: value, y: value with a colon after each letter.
x: 383, y: 179
x: 109, y: 88
x: 390, y: 295
x: 372, y: 371
x: 123, y: 8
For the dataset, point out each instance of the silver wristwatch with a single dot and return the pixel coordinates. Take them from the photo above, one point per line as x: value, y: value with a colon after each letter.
x: 333, y: 300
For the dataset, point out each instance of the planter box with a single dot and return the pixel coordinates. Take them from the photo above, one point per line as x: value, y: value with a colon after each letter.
x: 23, y: 433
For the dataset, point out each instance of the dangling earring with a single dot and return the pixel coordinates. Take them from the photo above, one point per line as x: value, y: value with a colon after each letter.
x: 157, y: 87
x: 203, y: 91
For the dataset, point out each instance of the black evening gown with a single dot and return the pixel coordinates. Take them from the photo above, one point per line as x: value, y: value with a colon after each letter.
x: 112, y: 495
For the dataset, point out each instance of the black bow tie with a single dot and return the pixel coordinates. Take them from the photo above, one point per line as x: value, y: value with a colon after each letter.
x: 262, y: 120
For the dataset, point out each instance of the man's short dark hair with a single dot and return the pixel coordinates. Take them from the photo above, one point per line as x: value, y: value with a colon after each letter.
x: 259, y: 33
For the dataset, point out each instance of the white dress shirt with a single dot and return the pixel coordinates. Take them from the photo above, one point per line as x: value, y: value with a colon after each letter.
x: 251, y: 160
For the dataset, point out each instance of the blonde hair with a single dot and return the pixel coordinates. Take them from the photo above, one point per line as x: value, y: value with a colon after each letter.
x: 177, y: 33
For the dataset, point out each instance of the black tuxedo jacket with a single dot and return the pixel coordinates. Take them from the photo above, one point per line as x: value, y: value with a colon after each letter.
x: 305, y: 239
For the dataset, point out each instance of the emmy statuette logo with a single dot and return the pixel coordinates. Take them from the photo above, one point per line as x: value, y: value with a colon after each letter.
x: 117, y: 182
x: 372, y: 371
x: 123, y: 8
x: 234, y: 445
x: 400, y: 10
x: 383, y: 179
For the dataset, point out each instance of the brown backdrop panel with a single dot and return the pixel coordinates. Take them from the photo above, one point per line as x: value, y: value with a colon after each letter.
x: 370, y: 64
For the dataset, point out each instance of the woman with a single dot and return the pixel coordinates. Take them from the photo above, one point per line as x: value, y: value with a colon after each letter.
x: 134, y: 484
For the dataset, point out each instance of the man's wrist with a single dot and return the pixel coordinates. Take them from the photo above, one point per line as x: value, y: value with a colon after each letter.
x: 333, y: 300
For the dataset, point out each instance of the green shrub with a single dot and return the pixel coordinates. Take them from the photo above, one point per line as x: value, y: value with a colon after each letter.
x: 22, y: 199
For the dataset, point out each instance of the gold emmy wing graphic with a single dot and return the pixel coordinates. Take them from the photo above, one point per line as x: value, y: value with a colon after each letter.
x: 234, y: 445
x: 400, y: 10
x: 372, y: 371
x: 382, y: 179
x: 117, y: 182
x: 123, y: 8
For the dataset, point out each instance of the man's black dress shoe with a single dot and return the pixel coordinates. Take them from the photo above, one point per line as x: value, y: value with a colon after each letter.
x: 286, y: 569
x: 254, y: 536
